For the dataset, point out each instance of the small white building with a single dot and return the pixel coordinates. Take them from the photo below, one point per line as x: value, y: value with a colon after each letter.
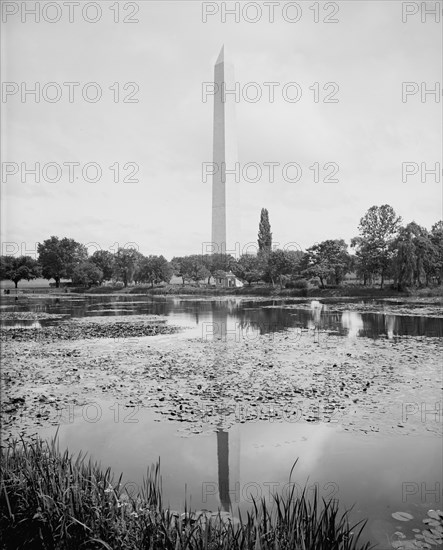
x: 228, y: 280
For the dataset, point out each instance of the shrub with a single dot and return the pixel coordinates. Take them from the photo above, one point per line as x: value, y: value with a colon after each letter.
x: 299, y: 283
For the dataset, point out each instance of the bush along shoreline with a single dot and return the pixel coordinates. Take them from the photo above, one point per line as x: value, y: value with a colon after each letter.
x: 54, y: 500
x: 344, y: 291
x: 253, y: 290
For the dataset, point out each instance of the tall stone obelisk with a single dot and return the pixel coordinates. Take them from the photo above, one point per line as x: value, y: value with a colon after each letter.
x: 225, y: 181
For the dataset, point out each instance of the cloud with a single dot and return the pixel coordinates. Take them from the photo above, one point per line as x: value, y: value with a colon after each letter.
x: 168, y: 133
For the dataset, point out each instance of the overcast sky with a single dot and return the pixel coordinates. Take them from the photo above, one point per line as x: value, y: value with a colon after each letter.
x: 170, y: 54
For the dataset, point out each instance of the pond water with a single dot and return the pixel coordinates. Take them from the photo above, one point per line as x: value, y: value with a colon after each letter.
x: 209, y: 316
x: 379, y: 474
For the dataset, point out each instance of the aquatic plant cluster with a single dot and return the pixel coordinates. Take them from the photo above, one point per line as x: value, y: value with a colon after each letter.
x: 74, y: 330
x: 50, y: 499
x: 429, y: 536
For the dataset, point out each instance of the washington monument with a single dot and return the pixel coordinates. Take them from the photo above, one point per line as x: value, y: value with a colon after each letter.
x: 225, y: 195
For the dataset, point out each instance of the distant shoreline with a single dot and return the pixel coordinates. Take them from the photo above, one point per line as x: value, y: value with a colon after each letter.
x: 346, y: 291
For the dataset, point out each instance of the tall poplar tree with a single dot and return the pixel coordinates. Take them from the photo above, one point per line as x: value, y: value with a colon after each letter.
x: 264, y: 232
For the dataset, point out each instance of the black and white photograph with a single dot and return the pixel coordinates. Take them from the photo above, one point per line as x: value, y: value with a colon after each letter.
x: 221, y: 291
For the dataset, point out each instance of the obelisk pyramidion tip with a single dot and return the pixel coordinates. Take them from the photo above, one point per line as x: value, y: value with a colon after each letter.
x: 221, y: 56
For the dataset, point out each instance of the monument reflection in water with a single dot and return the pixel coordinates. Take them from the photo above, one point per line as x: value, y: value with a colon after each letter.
x: 223, y: 333
x: 220, y: 335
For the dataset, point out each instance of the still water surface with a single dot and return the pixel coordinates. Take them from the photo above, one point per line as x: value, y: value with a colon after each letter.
x: 379, y: 474
x: 261, y: 316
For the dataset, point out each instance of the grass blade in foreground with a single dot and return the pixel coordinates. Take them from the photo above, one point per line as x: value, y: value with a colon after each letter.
x: 51, y: 500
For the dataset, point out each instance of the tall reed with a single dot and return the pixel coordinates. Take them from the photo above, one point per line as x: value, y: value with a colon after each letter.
x: 53, y: 500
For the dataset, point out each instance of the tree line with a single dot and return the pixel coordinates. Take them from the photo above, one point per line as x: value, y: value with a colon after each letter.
x: 384, y: 249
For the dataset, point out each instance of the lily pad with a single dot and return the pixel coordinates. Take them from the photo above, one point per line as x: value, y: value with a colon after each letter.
x: 433, y: 522
x: 406, y: 544
x: 430, y: 541
x: 402, y: 516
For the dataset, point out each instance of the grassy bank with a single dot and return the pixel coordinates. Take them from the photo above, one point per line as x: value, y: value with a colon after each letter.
x: 347, y: 291
x: 268, y: 290
x: 51, y: 500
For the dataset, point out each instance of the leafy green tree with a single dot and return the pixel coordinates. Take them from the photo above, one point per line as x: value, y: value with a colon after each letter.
x: 191, y: 268
x: 125, y: 264
x: 195, y: 268
x: 154, y: 270
x: 178, y: 266
x: 59, y: 257
x: 264, y: 233
x: 164, y: 269
x: 365, y: 263
x: 404, y: 261
x: 87, y: 274
x: 378, y: 229
x: 281, y: 265
x: 436, y: 237
x: 249, y: 268
x: 425, y: 254
x: 414, y: 256
x: 104, y: 260
x: 16, y: 269
x: 218, y: 263
x: 5, y: 265
x: 327, y: 259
